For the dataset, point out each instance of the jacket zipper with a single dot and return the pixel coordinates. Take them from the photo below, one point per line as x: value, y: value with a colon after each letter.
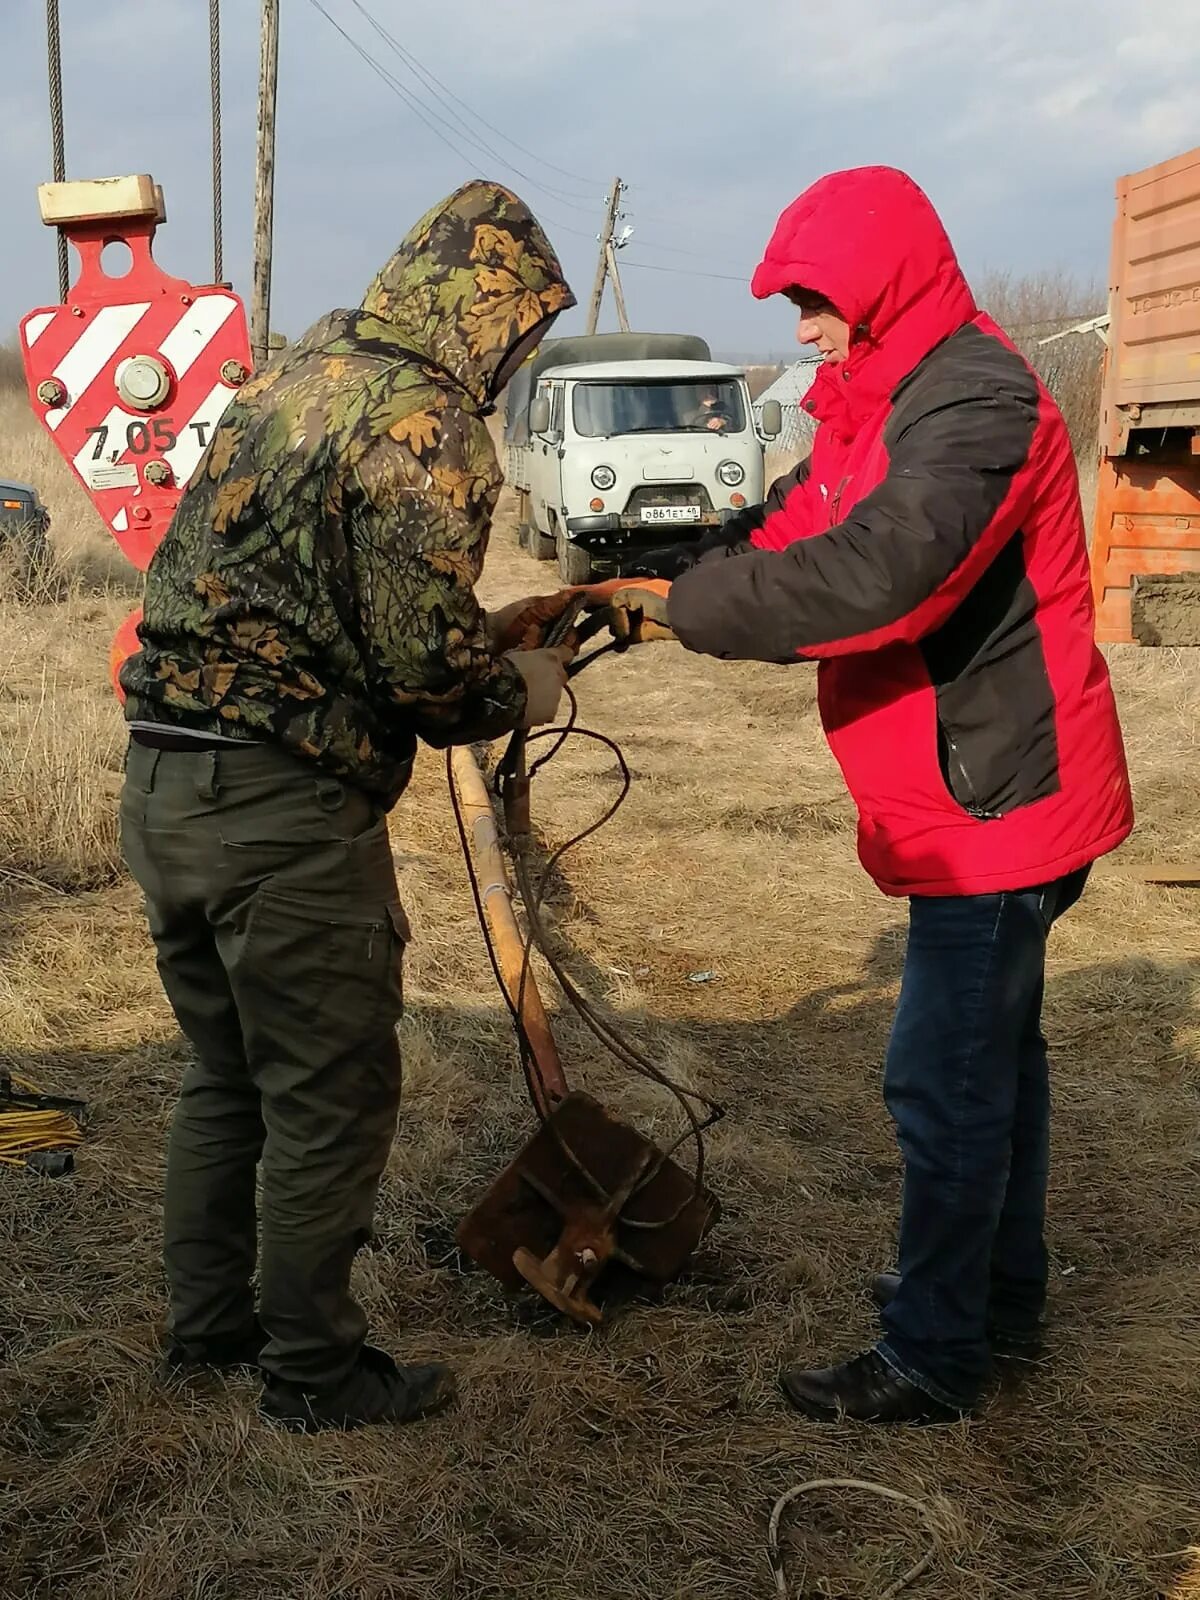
x: 971, y: 805
x: 835, y: 503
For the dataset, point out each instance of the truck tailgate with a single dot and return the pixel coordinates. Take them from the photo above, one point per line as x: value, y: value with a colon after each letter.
x: 1154, y: 335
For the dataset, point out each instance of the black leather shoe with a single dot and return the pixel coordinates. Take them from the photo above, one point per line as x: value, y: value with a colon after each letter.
x: 1005, y: 1346
x: 229, y: 1352
x: 864, y: 1389
x: 377, y: 1390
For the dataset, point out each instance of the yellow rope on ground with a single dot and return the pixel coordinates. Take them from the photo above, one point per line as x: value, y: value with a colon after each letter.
x: 25, y: 1132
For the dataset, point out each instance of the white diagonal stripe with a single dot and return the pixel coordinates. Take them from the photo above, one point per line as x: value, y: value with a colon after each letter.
x: 185, y: 457
x: 94, y: 348
x: 36, y: 327
x: 193, y: 333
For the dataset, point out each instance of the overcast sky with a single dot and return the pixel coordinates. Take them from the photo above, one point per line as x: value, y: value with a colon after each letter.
x: 1016, y: 115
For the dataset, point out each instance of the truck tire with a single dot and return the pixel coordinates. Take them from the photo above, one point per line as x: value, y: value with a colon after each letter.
x: 536, y: 543
x: 31, y: 568
x: 574, y: 562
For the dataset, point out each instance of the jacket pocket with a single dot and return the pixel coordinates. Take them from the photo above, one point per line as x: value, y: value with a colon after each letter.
x: 957, y: 776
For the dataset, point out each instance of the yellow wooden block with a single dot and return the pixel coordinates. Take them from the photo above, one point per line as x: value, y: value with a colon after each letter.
x: 96, y: 199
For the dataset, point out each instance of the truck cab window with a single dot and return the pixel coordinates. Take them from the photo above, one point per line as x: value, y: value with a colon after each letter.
x: 604, y: 410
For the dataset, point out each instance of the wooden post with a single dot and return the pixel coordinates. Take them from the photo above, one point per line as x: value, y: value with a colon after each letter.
x: 618, y: 291
x: 550, y: 1086
x: 602, y: 264
x: 264, y: 184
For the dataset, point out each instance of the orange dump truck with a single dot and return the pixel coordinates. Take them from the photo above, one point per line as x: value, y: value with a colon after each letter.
x: 1146, y: 543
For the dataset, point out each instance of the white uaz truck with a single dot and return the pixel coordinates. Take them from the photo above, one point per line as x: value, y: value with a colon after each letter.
x: 621, y: 442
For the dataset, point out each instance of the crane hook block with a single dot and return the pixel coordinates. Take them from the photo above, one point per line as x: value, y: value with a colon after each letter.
x: 132, y: 374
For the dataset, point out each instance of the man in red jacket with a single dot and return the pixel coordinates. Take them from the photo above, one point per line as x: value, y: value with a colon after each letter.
x: 931, y: 556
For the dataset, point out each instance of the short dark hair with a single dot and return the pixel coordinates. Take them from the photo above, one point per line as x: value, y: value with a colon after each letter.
x: 810, y: 301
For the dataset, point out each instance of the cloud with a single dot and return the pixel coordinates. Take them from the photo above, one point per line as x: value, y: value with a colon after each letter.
x: 1017, y: 117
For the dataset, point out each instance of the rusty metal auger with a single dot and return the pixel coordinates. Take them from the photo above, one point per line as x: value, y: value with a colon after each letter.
x: 587, y: 1190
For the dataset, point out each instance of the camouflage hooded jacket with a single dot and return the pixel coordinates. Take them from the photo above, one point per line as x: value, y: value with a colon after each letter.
x: 316, y: 586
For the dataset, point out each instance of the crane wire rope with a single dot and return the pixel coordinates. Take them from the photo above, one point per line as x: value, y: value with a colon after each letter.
x: 214, y: 61
x: 57, y: 130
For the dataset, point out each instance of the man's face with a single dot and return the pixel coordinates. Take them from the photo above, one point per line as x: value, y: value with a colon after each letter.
x: 821, y: 325
x: 517, y: 356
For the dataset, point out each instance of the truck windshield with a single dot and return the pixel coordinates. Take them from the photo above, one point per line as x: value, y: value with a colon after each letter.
x: 603, y: 409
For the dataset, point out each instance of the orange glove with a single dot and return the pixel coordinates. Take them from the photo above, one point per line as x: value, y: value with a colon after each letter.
x: 600, y: 595
x: 523, y: 624
x: 639, y: 612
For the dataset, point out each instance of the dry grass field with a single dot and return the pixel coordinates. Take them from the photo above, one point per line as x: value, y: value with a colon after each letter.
x: 639, y: 1462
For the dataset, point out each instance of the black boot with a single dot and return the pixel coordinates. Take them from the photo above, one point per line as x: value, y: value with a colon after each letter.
x: 227, y: 1352
x: 864, y: 1389
x: 1005, y: 1346
x: 377, y: 1390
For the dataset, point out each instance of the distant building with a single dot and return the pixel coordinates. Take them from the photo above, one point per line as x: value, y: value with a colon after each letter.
x: 790, y: 389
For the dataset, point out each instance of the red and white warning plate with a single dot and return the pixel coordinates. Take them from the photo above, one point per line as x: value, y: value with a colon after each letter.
x: 179, y: 351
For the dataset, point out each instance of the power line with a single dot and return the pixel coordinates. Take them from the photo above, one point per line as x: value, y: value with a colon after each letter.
x: 684, y: 272
x: 435, y: 84
x: 726, y: 277
x: 451, y: 133
x: 393, y: 83
x: 643, y: 243
x: 432, y: 118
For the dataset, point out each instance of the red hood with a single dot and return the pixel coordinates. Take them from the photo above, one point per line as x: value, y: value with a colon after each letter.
x: 869, y: 241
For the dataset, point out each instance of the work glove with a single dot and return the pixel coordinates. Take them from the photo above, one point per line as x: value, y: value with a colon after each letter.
x: 545, y: 675
x: 523, y: 624
x: 638, y: 606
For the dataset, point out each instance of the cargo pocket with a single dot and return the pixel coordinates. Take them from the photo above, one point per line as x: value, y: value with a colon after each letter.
x: 318, y: 985
x: 401, y: 938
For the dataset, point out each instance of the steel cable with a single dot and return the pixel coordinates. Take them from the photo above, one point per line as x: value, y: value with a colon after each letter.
x: 214, y: 59
x: 57, y: 130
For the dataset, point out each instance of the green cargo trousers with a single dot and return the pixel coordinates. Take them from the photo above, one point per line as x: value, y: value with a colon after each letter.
x: 272, y: 902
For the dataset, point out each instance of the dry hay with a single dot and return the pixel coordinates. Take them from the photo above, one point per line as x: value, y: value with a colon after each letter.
x: 641, y: 1461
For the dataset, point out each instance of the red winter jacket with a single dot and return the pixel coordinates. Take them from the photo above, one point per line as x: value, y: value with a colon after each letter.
x: 931, y: 555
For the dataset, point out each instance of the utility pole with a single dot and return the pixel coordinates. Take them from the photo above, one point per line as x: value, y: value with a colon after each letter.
x: 603, y: 266
x: 264, y: 184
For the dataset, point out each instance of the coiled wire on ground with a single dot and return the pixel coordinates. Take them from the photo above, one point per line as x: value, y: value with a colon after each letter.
x: 34, y: 1124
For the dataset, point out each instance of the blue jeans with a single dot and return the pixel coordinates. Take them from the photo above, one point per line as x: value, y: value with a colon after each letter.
x: 967, y: 1084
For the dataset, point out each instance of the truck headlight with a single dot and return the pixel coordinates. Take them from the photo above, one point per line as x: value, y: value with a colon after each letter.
x: 731, y: 473
x: 605, y: 477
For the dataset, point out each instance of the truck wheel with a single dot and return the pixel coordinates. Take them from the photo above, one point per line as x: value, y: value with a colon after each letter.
x: 574, y: 563
x: 536, y: 543
x: 33, y: 571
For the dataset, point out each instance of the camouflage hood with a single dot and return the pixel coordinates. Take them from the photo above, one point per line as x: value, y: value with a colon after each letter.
x: 468, y: 282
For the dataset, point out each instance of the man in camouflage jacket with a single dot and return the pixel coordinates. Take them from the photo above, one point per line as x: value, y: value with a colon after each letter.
x: 309, y: 616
